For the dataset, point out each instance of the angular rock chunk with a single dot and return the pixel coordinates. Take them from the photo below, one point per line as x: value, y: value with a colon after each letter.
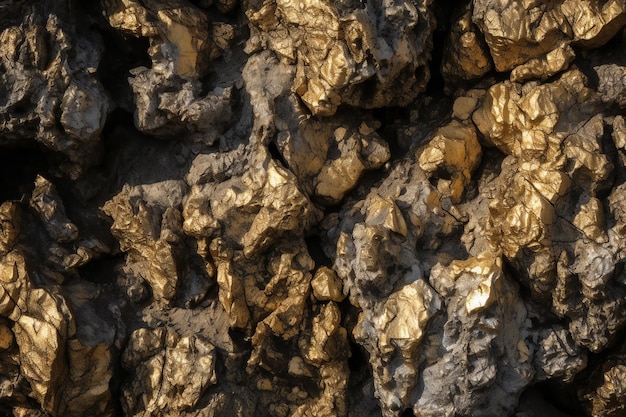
x: 453, y: 152
x: 329, y: 156
x: 466, y: 56
x: 480, y: 360
x: 65, y: 350
x: 533, y: 38
x: 169, y: 373
x: 547, y: 203
x: 147, y: 221
x: 50, y: 93
x: 168, y: 96
x: 251, y: 211
x: 365, y: 55
x: 47, y: 203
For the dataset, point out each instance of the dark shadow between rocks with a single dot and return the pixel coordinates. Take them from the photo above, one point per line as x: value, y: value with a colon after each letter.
x: 18, y: 169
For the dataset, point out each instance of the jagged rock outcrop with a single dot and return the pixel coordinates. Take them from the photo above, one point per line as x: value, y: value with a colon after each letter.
x: 57, y: 343
x: 312, y: 208
x: 50, y: 94
x: 361, y: 53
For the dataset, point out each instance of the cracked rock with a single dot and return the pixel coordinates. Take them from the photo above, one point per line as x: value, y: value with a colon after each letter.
x: 312, y: 208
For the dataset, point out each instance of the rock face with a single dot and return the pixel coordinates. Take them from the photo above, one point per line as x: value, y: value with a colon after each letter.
x: 312, y: 208
x: 365, y: 54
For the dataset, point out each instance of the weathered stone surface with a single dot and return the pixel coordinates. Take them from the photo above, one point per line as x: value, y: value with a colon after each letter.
x: 50, y: 94
x: 493, y: 363
x: 275, y: 208
x: 367, y: 55
x: 327, y: 286
x: 533, y: 38
x: 168, y: 96
x: 612, y: 79
x: 170, y: 372
x: 46, y: 202
x: 454, y: 152
x: 148, y: 225
x: 63, y: 348
x: 328, y: 157
x: 603, y: 392
x: 466, y: 56
x: 561, y: 237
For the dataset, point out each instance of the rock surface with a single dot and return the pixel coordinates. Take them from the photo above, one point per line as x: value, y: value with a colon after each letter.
x: 312, y: 208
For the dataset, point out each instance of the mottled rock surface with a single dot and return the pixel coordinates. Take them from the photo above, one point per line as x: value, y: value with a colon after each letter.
x: 347, y: 208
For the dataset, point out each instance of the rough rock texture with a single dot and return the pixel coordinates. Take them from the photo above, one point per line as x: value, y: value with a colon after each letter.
x: 50, y: 92
x: 365, y: 54
x: 312, y: 208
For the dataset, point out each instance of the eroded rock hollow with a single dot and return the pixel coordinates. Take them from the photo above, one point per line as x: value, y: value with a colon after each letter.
x: 349, y: 208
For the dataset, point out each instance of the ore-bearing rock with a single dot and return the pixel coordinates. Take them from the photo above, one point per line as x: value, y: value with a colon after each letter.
x: 312, y: 208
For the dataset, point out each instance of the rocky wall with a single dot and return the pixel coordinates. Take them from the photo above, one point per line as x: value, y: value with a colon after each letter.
x: 348, y: 208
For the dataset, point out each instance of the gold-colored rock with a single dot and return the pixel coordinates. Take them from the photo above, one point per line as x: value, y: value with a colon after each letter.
x: 606, y: 395
x: 14, y: 278
x: 546, y: 66
x: 509, y: 110
x: 593, y: 24
x: 130, y: 16
x: 44, y: 338
x: 332, y: 401
x: 465, y: 105
x: 181, y: 28
x: 484, y: 294
x: 282, y: 209
x: 254, y: 210
x: 9, y: 225
x: 554, y: 134
x: 148, y: 224
x: 507, y: 31
x: 619, y: 132
x: 48, y: 205
x: 336, y: 49
x: 338, y: 177
x: 330, y: 156
x: 90, y: 366
x: 326, y: 351
x: 617, y: 207
x: 537, y: 35
x: 527, y: 122
x: 186, y: 29
x: 482, y: 302
x: 455, y: 150
x: 382, y: 212
x: 325, y: 328
x: 523, y: 224
x: 480, y: 284
x: 231, y: 294
x: 327, y: 286
x: 59, y: 356
x: 590, y: 220
x: 284, y: 298
x: 584, y: 151
x: 496, y: 118
x: 465, y: 56
x: 549, y: 182
x: 6, y: 336
x: 404, y: 317
x: 277, y: 295
x: 171, y: 372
